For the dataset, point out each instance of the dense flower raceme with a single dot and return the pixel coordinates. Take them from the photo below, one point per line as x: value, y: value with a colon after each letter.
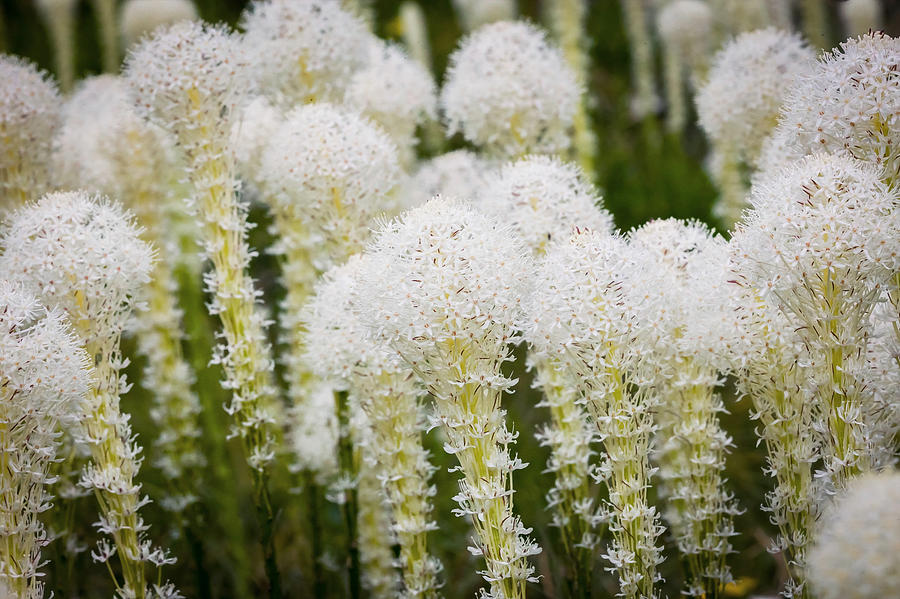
x: 140, y: 17
x: 303, y: 50
x: 44, y: 375
x: 29, y: 115
x: 396, y: 92
x: 767, y: 358
x: 83, y: 254
x: 681, y: 265
x: 508, y: 90
x: 105, y: 146
x: 582, y: 318
x: 386, y: 391
x: 822, y: 243
x: 188, y: 80
x: 861, y: 523
x: 740, y: 101
x: 445, y: 292
x: 848, y: 102
x: 546, y: 200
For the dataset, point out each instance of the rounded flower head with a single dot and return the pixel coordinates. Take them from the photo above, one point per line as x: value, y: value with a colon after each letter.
x: 475, y: 13
x: 544, y: 199
x: 445, y: 273
x: 104, y: 144
x: 822, y: 212
x: 739, y: 103
x: 337, y: 341
x: 304, y: 50
x: 681, y: 283
x: 138, y: 17
x: 849, y: 102
x: 686, y: 25
x: 80, y: 253
x: 577, y: 298
x: 856, y: 554
x: 334, y: 168
x: 509, y: 90
x: 459, y: 174
x: 42, y: 366
x: 187, y: 74
x: 29, y: 114
x: 393, y: 90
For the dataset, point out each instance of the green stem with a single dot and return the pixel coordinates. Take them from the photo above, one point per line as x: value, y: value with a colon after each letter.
x: 349, y: 507
x: 315, y: 527
x: 266, y: 517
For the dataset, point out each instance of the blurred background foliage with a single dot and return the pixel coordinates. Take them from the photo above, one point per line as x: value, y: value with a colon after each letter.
x: 643, y: 172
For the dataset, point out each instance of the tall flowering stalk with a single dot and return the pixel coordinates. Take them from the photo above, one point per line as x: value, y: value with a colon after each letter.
x: 444, y: 292
x: 644, y: 100
x: 679, y: 264
x: 685, y: 29
x: 187, y: 79
x: 822, y: 242
x: 104, y: 145
x: 44, y: 375
x: 568, y: 19
x: 387, y: 394
x: 83, y: 254
x: 105, y: 14
x: 510, y: 91
x: 29, y: 115
x: 769, y: 365
x: 60, y: 19
x: 545, y: 200
x: 580, y: 317
x: 739, y: 103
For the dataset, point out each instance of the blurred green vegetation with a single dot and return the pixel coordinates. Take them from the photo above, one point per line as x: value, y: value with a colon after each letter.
x: 644, y: 174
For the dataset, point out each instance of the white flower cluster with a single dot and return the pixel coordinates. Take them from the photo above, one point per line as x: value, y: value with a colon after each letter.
x: 509, y: 90
x: 396, y: 92
x: 739, y: 105
x: 444, y: 290
x: 342, y: 352
x: 545, y: 200
x: 189, y: 79
x: 83, y: 254
x: 822, y: 242
x: 580, y: 315
x: 29, y: 115
x: 856, y: 554
x: 303, y: 50
x: 848, y: 102
x: 335, y: 170
x: 768, y: 361
x: 103, y: 144
x: 44, y: 374
x: 682, y: 267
